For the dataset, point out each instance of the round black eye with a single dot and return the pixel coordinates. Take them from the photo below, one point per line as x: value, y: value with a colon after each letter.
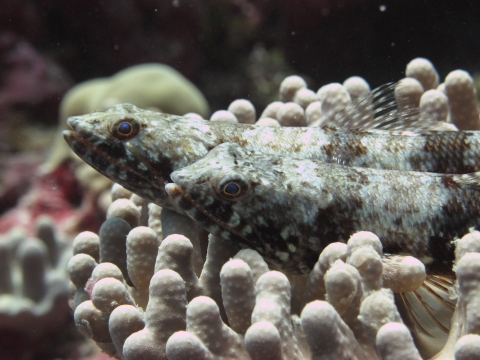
x: 125, y: 128
x: 231, y: 189
x: 232, y: 186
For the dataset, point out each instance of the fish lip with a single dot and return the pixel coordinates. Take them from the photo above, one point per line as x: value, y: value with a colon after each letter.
x: 174, y: 191
x: 177, y: 194
x: 72, y: 121
x: 174, y: 177
x: 73, y: 138
x: 69, y: 134
x: 78, y: 130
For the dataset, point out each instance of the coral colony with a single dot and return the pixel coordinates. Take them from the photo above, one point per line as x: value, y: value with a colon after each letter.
x: 34, y: 290
x: 171, y: 291
x: 153, y: 284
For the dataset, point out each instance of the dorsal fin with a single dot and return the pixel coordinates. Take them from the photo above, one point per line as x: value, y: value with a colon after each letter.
x: 379, y: 110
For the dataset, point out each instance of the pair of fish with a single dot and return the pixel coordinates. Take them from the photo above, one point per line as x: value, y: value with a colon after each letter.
x: 289, y: 192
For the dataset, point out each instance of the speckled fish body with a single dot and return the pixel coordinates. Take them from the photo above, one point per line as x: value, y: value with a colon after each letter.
x: 158, y: 144
x: 289, y: 210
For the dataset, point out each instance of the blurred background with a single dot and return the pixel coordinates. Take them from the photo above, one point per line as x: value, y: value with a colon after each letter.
x: 229, y: 49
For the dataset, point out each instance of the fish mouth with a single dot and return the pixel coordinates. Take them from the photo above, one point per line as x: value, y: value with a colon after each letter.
x: 68, y: 135
x: 82, y: 147
x: 78, y: 144
x: 174, y: 191
x: 104, y: 162
x: 79, y: 141
x: 185, y: 201
x: 71, y: 122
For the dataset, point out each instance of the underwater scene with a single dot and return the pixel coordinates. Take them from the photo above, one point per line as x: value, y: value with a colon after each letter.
x: 239, y: 179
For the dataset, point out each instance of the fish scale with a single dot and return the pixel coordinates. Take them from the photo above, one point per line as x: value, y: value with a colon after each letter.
x: 290, y: 209
x: 143, y: 160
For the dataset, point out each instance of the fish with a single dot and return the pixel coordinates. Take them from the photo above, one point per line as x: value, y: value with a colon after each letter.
x: 139, y: 149
x: 289, y: 210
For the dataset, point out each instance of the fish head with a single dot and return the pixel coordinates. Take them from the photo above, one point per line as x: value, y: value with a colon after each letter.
x: 212, y: 186
x: 237, y: 195
x: 119, y: 144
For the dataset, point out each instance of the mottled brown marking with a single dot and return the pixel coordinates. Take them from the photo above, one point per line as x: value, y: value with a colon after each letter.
x: 431, y: 145
x: 362, y: 178
x: 358, y: 177
x: 387, y: 207
x: 449, y: 182
x: 296, y: 148
x: 357, y: 148
x: 456, y: 142
x: 355, y: 201
x: 328, y: 149
x: 351, y: 177
x: 242, y: 142
x: 445, y: 154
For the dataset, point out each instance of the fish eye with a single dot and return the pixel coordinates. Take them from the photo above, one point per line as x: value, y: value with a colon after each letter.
x: 233, y: 187
x: 125, y: 129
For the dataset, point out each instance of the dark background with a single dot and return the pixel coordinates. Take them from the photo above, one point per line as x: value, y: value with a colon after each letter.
x: 242, y: 49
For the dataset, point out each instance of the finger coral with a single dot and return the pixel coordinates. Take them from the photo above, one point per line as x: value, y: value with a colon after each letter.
x: 34, y: 290
x: 462, y: 99
x: 236, y: 308
x: 155, y: 285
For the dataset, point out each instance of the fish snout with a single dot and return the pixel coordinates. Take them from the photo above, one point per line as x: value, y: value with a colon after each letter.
x: 174, y: 191
x: 68, y: 135
x: 72, y: 121
x: 178, y: 177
